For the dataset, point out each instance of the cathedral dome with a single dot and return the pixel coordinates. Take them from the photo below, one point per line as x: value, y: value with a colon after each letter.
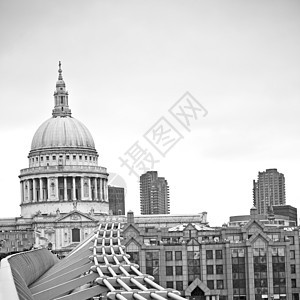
x: 62, y: 132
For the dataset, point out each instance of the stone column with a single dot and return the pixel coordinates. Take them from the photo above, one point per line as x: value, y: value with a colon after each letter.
x: 33, y: 190
x: 56, y: 189
x: 82, y: 191
x: 96, y: 189
x: 22, y: 191
x: 90, y: 188
x: 29, y: 190
x: 41, y: 189
x: 74, y: 188
x: 48, y: 189
x: 105, y: 191
x: 25, y: 195
x: 65, y: 189
x: 101, y: 194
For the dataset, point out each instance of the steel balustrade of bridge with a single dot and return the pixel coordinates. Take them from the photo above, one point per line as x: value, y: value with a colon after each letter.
x: 98, y: 268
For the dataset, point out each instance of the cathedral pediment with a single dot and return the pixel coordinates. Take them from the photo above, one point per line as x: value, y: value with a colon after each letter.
x: 75, y: 216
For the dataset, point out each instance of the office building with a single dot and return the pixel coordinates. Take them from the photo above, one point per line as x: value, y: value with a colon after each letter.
x: 268, y: 190
x: 250, y: 261
x: 116, y: 200
x: 288, y: 211
x: 154, y: 194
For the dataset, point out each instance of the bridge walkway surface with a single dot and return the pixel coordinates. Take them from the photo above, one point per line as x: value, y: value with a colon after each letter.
x: 98, y: 268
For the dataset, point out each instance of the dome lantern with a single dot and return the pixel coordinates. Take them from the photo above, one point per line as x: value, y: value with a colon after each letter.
x: 61, y: 106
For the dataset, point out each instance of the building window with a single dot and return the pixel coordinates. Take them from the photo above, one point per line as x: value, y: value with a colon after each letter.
x: 169, y: 270
x: 85, y: 157
x: 170, y: 284
x: 90, y: 158
x: 238, y: 271
x: 278, y: 265
x: 54, y: 157
x: 47, y: 157
x: 42, y: 158
x: 178, y: 255
x: 210, y: 284
x: 193, y: 262
x: 292, y: 240
x: 219, y: 269
x: 178, y: 270
x: 219, y: 254
x: 294, y: 283
x: 274, y: 237
x: 220, y: 284
x: 67, y: 156
x: 209, y: 269
x: 234, y: 238
x: 80, y: 157
x: 293, y: 269
x: 295, y: 296
x: 292, y: 254
x: 179, y: 285
x: 152, y: 264
x: 169, y: 255
x: 134, y: 257
x: 209, y: 254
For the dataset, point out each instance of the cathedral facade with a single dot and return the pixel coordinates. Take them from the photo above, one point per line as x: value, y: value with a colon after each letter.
x: 63, y: 190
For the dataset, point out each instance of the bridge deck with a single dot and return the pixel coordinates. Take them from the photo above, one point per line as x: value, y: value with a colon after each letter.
x: 98, y: 268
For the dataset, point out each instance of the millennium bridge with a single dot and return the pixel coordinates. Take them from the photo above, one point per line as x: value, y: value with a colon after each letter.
x: 98, y: 268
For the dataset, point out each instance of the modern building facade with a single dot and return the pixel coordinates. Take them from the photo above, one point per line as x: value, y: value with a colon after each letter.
x: 154, y: 194
x: 63, y: 190
x: 116, y: 199
x: 252, y: 261
x: 288, y: 211
x: 268, y: 190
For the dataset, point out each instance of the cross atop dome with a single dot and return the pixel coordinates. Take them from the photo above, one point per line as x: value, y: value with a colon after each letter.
x: 61, y: 107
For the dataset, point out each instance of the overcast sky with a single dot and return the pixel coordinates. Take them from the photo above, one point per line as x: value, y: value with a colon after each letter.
x: 126, y: 63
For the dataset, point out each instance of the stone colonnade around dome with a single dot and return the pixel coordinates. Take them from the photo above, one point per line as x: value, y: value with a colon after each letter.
x: 63, y: 188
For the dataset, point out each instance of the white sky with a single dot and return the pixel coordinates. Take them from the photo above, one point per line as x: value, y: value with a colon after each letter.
x: 125, y: 63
